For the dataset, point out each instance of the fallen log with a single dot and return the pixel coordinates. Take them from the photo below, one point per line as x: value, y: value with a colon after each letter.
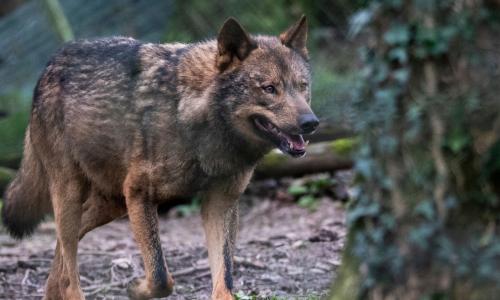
x: 320, y: 157
x: 326, y: 132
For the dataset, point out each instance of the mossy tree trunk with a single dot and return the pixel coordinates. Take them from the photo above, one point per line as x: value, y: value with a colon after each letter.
x: 425, y: 224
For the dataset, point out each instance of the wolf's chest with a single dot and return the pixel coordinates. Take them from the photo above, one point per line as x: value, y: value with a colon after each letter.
x: 178, y: 178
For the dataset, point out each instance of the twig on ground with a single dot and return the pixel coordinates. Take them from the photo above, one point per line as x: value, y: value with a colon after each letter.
x: 94, y: 289
x: 24, y: 284
x: 248, y: 263
x: 26, y: 276
x: 96, y: 253
x: 86, y: 280
x: 202, y: 275
x: 189, y: 271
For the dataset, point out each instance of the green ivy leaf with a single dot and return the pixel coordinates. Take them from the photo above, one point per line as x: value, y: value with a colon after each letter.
x: 401, y: 75
x: 458, y: 141
x: 426, y: 209
x: 297, y: 190
x: 397, y: 35
x: 398, y: 54
x: 308, y: 201
x: 363, y: 211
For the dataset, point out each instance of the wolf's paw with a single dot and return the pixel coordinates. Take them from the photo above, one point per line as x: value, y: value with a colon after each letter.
x: 140, y: 289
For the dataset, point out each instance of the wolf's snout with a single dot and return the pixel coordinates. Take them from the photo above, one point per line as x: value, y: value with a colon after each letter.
x: 308, y: 123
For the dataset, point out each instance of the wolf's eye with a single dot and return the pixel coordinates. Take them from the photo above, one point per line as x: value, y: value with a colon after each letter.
x: 303, y: 86
x: 270, y: 89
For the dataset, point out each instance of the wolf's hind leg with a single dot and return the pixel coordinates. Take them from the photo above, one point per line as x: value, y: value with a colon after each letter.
x: 52, y: 290
x: 99, y: 210
x: 143, y: 218
x: 67, y: 196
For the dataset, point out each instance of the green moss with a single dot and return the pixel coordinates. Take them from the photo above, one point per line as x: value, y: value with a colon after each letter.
x: 344, y: 146
x: 273, y: 159
x: 12, y: 131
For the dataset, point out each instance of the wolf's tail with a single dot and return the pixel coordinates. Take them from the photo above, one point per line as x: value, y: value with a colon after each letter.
x: 27, y: 198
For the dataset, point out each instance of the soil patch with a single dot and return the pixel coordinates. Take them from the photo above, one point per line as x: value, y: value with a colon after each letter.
x: 283, y: 250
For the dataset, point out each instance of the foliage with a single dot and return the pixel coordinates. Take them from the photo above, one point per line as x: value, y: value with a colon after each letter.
x: 12, y: 127
x: 189, y: 209
x: 196, y: 20
x: 332, y: 89
x: 307, y: 191
x: 425, y: 222
x: 244, y: 296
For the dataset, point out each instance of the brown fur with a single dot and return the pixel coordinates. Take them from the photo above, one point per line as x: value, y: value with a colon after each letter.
x: 119, y: 127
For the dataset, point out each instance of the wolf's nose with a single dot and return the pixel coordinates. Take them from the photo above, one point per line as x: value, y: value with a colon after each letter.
x: 308, y: 123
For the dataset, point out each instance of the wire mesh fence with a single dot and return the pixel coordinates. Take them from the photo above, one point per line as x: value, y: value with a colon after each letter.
x: 27, y: 38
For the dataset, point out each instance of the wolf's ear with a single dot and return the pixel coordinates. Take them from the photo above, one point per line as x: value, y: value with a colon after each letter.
x: 296, y: 37
x: 232, y: 42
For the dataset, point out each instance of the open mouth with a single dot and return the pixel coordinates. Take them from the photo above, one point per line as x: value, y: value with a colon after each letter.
x: 291, y: 144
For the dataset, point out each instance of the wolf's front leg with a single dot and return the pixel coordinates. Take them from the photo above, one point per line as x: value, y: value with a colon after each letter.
x: 220, y: 221
x: 143, y: 218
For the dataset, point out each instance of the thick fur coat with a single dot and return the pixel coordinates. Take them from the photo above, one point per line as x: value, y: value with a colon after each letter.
x: 119, y: 127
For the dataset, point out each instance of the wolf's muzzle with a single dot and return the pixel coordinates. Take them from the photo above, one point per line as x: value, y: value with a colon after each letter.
x: 308, y: 123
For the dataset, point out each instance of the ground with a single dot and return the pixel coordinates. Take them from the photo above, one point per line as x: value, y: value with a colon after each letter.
x: 283, y: 250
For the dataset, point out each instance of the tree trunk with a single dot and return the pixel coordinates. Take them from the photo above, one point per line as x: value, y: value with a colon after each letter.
x: 425, y: 224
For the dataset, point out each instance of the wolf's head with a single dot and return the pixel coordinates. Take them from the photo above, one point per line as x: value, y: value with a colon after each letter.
x: 265, y: 83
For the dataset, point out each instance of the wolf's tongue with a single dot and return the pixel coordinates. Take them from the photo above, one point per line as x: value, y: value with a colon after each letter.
x: 296, y: 142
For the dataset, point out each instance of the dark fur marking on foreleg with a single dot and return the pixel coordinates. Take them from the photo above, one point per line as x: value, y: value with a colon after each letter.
x: 159, y: 272
x: 228, y: 267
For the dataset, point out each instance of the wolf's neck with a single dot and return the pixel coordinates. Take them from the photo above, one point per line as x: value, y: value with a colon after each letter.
x: 196, y: 70
x: 217, y: 145
x: 204, y: 120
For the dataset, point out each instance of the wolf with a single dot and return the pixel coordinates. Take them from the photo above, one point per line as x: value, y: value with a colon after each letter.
x: 119, y: 127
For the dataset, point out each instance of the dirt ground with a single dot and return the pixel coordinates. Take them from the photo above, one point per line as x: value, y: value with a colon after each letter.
x: 283, y: 250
